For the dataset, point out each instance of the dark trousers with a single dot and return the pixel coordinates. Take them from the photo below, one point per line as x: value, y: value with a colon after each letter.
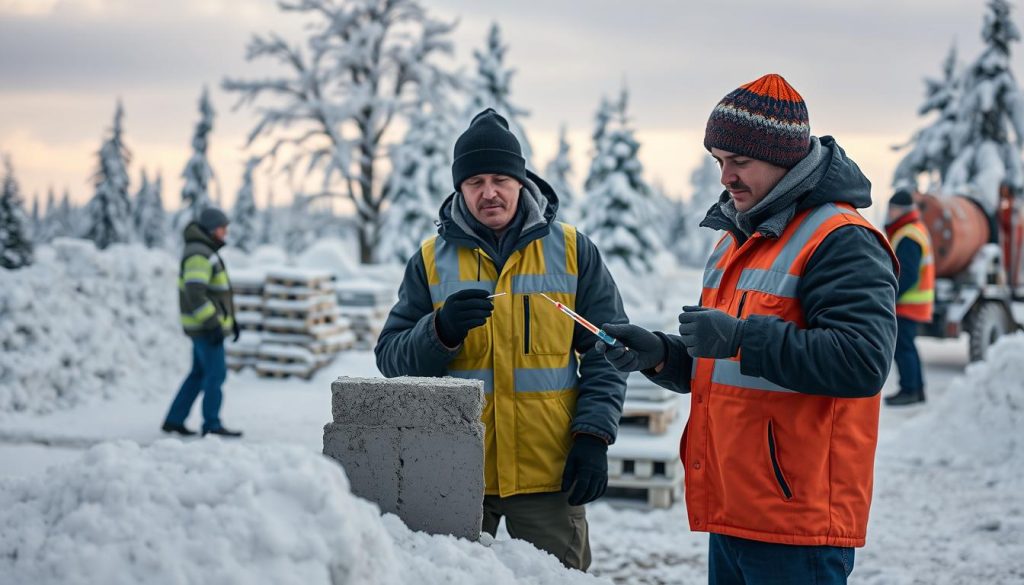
x: 546, y: 521
x: 208, y: 373
x: 908, y: 362
x: 738, y: 561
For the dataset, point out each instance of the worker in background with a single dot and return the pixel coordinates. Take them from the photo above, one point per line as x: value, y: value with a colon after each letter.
x: 207, y: 316
x: 916, y: 295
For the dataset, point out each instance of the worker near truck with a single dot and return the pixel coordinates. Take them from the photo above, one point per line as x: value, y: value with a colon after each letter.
x: 915, y: 297
x: 787, y: 352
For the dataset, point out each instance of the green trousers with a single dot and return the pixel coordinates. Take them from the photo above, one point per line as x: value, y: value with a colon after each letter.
x: 546, y: 521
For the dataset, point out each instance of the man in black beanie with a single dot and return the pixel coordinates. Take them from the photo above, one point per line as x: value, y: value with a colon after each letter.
x: 472, y: 305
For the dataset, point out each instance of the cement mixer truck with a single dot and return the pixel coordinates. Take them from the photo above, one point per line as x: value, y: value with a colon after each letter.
x: 979, y: 287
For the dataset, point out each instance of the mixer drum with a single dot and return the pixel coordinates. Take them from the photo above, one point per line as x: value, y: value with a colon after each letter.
x: 958, y: 228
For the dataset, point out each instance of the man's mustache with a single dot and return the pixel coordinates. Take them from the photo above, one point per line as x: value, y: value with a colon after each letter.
x: 737, y: 186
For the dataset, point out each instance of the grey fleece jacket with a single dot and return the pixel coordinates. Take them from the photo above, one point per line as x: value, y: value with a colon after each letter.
x: 409, y: 346
x: 848, y: 296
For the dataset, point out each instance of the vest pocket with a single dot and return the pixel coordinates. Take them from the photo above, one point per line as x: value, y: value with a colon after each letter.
x: 547, y: 331
x: 780, y: 479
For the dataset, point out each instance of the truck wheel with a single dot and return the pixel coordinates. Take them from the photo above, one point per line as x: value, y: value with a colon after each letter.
x: 988, y: 324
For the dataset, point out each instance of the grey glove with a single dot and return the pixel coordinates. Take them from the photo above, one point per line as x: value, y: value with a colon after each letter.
x: 710, y: 333
x: 638, y: 348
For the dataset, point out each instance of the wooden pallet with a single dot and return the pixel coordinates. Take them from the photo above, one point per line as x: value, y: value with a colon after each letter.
x: 655, y: 496
x: 264, y: 373
x: 661, y: 480
x: 656, y: 416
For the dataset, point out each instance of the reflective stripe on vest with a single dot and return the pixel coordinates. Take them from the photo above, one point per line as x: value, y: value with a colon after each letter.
x: 523, y: 354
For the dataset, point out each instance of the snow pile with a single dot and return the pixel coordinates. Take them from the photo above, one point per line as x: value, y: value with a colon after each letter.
x: 218, y: 512
x: 332, y: 254
x: 81, y: 323
x: 947, y: 505
x: 978, y: 421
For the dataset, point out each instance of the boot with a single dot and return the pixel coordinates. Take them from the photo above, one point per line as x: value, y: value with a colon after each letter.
x: 174, y: 428
x: 905, y: 397
x: 223, y: 432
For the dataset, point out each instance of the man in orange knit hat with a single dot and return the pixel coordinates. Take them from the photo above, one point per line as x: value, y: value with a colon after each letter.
x: 786, y: 353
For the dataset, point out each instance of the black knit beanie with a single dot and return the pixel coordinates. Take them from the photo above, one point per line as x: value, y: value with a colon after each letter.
x: 901, y: 198
x: 488, y: 146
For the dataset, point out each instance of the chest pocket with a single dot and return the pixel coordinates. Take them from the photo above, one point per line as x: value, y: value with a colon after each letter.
x: 547, y: 331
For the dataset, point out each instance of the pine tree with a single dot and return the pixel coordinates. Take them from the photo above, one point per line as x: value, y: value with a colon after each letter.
x: 48, y: 227
x: 931, y: 150
x: 69, y: 221
x: 150, y: 218
x: 492, y: 88
x: 558, y: 174
x: 693, y: 244
x: 195, y: 194
x: 15, y: 246
x: 268, y: 227
x: 421, y: 172
x: 617, y: 213
x: 243, y: 232
x: 108, y: 214
x: 332, y: 113
x: 991, y: 103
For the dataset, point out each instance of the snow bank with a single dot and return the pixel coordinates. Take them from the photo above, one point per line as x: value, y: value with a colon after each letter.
x: 209, y: 511
x: 978, y: 421
x: 81, y: 324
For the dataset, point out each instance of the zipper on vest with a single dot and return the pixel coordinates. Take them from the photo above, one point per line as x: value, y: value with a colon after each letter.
x: 477, y: 264
x: 526, y: 324
x: 775, y: 463
x: 743, y: 301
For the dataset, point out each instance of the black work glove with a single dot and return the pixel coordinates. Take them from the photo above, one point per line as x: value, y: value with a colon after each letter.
x: 237, y: 330
x: 216, y: 336
x: 710, y: 333
x: 638, y: 348
x: 462, y: 311
x: 586, y: 470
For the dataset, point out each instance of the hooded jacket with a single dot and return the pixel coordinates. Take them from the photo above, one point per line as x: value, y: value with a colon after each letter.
x: 409, y: 345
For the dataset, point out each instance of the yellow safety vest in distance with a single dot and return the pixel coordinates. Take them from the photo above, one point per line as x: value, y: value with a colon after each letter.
x: 523, y: 354
x: 917, y: 303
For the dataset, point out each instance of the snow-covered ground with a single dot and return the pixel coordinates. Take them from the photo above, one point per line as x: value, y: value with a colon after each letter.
x: 90, y: 490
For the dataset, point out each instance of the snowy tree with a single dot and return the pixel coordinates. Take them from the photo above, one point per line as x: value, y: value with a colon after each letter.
x: 108, y: 215
x: 35, y: 221
x: 195, y: 194
x: 149, y: 216
x: 243, y: 232
x: 986, y: 156
x: 691, y: 243
x: 15, y: 246
x: 931, y: 150
x: 492, y: 88
x: 268, y: 226
x: 49, y: 227
x: 558, y: 174
x: 618, y: 204
x: 420, y: 176
x: 335, y: 106
x: 69, y: 220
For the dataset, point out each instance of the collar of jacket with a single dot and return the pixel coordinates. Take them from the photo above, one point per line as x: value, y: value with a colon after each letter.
x: 196, y: 234
x: 838, y: 180
x: 906, y: 218
x: 538, y: 200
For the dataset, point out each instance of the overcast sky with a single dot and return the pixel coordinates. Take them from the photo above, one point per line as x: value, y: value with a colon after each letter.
x: 859, y: 66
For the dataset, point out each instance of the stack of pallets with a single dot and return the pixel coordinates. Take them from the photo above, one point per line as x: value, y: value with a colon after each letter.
x: 365, y: 304
x: 644, y: 461
x: 303, y: 330
x: 247, y: 286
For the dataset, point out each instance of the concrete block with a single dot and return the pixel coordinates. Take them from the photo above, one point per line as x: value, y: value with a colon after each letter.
x: 414, y: 446
x: 406, y: 401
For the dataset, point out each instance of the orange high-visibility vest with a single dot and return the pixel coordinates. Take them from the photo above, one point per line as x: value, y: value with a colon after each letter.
x: 764, y: 462
x: 918, y: 301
